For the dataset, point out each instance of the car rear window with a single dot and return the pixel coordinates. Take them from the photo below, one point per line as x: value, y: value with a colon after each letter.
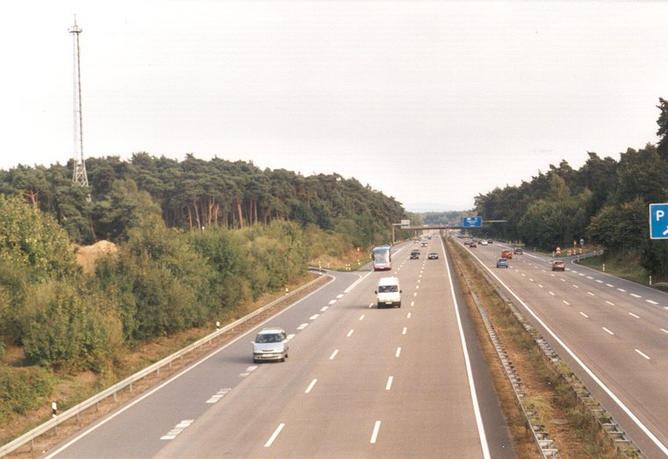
x: 387, y: 288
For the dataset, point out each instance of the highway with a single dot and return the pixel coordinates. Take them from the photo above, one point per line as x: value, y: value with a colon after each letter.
x: 359, y: 382
x: 612, y: 332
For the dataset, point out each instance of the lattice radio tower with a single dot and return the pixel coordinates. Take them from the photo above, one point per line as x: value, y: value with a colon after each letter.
x: 79, y: 175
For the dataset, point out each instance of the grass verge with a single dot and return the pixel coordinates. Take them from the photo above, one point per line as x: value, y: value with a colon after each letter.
x: 624, y: 266
x: 570, y: 424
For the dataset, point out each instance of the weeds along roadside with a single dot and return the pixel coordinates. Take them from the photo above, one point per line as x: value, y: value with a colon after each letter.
x: 547, y: 391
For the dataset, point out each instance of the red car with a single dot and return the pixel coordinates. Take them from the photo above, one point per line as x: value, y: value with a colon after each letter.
x: 507, y: 254
x: 558, y: 265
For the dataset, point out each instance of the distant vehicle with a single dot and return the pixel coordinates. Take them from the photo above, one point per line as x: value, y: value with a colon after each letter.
x: 502, y: 263
x: 388, y: 292
x: 473, y: 245
x: 558, y: 265
x: 483, y: 242
x: 489, y: 241
x: 507, y: 254
x: 415, y: 254
x: 424, y: 244
x: 518, y: 251
x: 382, y: 258
x: 432, y: 256
x: 270, y: 344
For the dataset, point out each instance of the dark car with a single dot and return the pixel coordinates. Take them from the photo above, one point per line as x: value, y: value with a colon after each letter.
x: 432, y: 256
x: 473, y: 245
x: 502, y: 263
x: 558, y: 265
x: 518, y: 251
x: 415, y: 254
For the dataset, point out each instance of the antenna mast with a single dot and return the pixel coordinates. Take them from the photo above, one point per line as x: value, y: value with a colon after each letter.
x: 79, y: 175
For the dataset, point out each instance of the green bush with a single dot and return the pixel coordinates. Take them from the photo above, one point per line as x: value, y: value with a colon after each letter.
x: 22, y: 389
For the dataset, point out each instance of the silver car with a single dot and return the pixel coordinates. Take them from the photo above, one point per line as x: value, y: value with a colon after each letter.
x: 270, y: 344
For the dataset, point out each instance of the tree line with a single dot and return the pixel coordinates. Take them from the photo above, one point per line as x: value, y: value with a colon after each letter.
x: 604, y: 202
x: 195, y: 193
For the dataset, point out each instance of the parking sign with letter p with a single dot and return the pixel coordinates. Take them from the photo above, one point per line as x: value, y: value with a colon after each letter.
x: 658, y: 220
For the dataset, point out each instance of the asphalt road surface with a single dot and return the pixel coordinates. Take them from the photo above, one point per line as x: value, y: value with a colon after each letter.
x: 612, y: 332
x: 359, y: 382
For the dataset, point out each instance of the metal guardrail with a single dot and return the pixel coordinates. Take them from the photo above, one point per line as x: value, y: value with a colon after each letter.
x: 111, y: 391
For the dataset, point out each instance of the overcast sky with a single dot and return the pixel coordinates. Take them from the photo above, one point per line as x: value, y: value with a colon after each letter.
x: 429, y: 102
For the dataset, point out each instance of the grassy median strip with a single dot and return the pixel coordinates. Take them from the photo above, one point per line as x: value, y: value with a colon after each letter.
x: 571, y: 425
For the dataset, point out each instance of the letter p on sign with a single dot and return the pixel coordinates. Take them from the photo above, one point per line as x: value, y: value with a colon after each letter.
x: 658, y: 220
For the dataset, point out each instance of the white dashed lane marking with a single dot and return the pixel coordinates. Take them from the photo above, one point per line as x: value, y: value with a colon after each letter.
x: 314, y: 316
x: 642, y: 354
x: 274, y: 435
x: 302, y: 326
x: 324, y: 308
x: 608, y: 331
x: 599, y: 281
x: 584, y: 315
x: 633, y: 315
x: 362, y: 317
x: 610, y: 285
x: 180, y: 427
x: 575, y: 286
x: 610, y: 303
x: 403, y: 332
x: 634, y: 295
x: 310, y: 386
x: 218, y: 395
x: 566, y: 302
x: 339, y: 296
x: 551, y: 293
x: 374, y: 434
x: 408, y: 316
x: 331, y: 357
x: 664, y: 330
x: 591, y: 294
x: 651, y: 302
x: 332, y: 302
x: 350, y: 333
x: 621, y: 290
x: 398, y: 353
x: 412, y: 303
x: 388, y: 384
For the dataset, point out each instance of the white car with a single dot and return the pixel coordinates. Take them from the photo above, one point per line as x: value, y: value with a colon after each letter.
x: 388, y: 292
x: 270, y: 344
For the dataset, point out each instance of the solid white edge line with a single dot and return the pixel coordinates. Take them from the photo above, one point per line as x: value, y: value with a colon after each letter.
x: 577, y: 359
x: 310, y: 386
x: 178, y: 375
x: 467, y: 360
x: 274, y: 435
x: 331, y: 357
x: 374, y: 434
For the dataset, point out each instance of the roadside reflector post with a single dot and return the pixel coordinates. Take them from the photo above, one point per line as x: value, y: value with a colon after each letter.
x: 603, y: 267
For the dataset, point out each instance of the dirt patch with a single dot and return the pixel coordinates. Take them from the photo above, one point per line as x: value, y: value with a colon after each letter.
x: 87, y: 255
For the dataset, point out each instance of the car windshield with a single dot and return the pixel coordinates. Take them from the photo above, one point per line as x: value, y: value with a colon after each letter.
x: 387, y: 288
x: 268, y: 338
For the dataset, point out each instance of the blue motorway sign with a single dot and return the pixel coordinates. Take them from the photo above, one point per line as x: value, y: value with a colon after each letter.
x: 658, y: 221
x: 472, y: 222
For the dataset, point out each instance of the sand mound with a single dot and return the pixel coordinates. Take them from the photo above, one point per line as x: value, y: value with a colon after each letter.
x: 87, y: 255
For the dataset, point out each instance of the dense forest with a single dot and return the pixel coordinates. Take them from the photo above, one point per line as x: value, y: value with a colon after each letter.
x: 194, y: 193
x: 604, y: 202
